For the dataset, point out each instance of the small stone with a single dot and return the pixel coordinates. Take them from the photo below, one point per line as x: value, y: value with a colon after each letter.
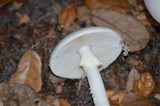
x: 59, y: 89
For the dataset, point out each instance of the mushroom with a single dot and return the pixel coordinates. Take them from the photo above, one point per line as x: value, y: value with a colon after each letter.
x: 153, y: 7
x: 85, y: 53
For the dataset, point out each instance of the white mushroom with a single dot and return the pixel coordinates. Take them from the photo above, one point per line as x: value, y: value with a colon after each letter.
x: 85, y: 53
x: 153, y: 7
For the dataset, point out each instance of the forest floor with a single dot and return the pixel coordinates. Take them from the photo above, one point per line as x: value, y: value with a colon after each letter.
x: 34, y: 25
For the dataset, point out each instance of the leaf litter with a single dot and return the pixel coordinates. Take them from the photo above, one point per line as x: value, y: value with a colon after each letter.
x: 43, y: 33
x: 19, y: 95
x: 29, y: 71
x: 133, y: 32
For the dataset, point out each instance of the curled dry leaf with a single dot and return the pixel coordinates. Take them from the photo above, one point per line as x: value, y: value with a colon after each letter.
x: 29, y: 71
x: 68, y: 14
x: 119, y: 5
x: 133, y: 32
x: 131, y: 99
x: 145, y: 85
x: 116, y: 97
x: 132, y: 77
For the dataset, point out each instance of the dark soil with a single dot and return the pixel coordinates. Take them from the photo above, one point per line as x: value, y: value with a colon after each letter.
x: 42, y: 33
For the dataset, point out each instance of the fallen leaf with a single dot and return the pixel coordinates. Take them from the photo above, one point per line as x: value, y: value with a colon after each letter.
x: 145, y: 85
x: 29, y: 71
x: 132, y: 77
x: 116, y: 97
x: 92, y: 4
x: 24, y: 19
x: 119, y: 5
x: 132, y: 99
x: 19, y: 95
x: 135, y: 35
x: 64, y: 102
x: 68, y: 14
x: 142, y: 18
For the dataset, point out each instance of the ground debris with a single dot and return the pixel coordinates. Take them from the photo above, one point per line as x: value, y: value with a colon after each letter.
x: 41, y: 32
x: 19, y: 95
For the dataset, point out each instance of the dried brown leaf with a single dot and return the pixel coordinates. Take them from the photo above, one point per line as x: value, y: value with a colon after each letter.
x: 135, y: 35
x: 142, y: 18
x: 29, y: 71
x: 132, y: 99
x: 119, y: 5
x: 145, y: 85
x: 92, y: 4
x: 64, y: 102
x: 132, y: 77
x: 116, y: 97
x: 68, y: 14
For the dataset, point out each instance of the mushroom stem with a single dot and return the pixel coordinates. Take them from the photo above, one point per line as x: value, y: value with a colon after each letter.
x: 90, y: 64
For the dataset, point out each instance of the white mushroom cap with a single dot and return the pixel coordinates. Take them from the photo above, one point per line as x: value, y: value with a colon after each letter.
x: 154, y: 8
x: 104, y: 43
